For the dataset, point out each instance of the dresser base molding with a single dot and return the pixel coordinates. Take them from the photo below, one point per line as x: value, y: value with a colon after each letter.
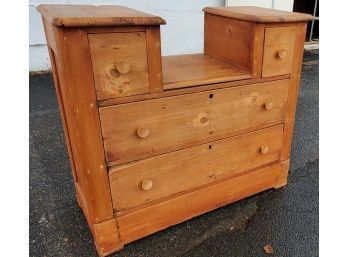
x: 155, y: 217
x: 282, y: 179
x: 106, y: 238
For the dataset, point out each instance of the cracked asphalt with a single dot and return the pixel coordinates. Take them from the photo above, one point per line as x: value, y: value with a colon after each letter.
x: 287, y: 218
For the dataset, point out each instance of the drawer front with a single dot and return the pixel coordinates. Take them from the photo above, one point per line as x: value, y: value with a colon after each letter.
x: 278, y: 51
x: 119, y: 63
x: 138, y: 130
x: 164, y: 175
x: 145, y: 221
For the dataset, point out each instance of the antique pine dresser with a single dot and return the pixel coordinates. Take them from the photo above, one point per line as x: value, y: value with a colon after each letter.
x: 155, y: 140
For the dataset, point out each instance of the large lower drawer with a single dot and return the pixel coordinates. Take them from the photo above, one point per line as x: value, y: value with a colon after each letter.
x: 144, y: 221
x: 143, y: 181
x: 138, y: 130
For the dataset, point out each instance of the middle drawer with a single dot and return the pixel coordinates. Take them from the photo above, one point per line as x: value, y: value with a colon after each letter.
x: 142, y: 129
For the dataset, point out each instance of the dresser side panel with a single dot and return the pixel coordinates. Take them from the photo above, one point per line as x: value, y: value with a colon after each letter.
x: 78, y: 69
x: 82, y: 118
x: 257, y: 49
x: 52, y: 50
x: 293, y: 89
x: 154, y: 58
x: 228, y: 40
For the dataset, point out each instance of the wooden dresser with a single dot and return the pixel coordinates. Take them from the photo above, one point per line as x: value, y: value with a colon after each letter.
x: 155, y: 140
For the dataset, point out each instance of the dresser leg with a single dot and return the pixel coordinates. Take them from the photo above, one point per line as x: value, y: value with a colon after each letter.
x: 106, y: 238
x: 282, y: 179
x: 103, y: 254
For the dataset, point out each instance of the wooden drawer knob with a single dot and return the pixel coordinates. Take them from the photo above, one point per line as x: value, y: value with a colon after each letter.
x: 143, y: 132
x: 268, y: 105
x: 264, y: 149
x: 146, y: 184
x: 123, y: 66
x: 281, y: 54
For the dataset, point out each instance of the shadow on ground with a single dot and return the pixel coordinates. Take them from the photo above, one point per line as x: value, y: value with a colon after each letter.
x: 287, y: 218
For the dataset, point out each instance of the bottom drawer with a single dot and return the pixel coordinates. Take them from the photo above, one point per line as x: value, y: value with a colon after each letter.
x: 150, y: 179
x: 152, y: 218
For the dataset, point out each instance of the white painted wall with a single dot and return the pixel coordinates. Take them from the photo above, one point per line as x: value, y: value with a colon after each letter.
x: 285, y: 5
x: 182, y: 34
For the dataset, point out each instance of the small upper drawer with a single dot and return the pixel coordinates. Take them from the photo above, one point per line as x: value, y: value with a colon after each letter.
x: 138, y: 130
x: 278, y: 51
x: 119, y: 64
x: 143, y: 181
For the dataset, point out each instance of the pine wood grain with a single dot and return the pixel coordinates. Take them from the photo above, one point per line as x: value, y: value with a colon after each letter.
x: 154, y: 58
x: 189, y: 136
x: 106, y: 237
x: 177, y: 121
x: 156, y: 217
x: 293, y: 89
x: 52, y: 49
x: 258, y: 14
x: 228, y: 40
x: 107, y: 52
x: 282, y: 179
x: 257, y: 48
x: 278, y: 51
x: 202, y: 164
x: 76, y: 77
x: 188, y: 90
x: 76, y: 97
x: 118, y: 29
x: 93, y: 15
x: 189, y: 70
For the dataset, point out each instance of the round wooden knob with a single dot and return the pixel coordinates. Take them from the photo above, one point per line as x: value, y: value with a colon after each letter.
x: 143, y: 132
x: 281, y: 54
x: 123, y: 66
x: 264, y: 149
x: 146, y: 184
x: 268, y: 105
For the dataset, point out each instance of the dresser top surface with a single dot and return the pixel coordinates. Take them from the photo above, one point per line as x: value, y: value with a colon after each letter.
x: 258, y: 14
x: 90, y: 15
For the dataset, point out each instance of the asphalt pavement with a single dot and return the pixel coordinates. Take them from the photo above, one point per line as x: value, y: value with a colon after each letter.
x: 287, y: 218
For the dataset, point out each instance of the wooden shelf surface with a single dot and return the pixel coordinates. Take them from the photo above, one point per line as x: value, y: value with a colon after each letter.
x: 258, y: 14
x: 189, y: 70
x: 95, y: 15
